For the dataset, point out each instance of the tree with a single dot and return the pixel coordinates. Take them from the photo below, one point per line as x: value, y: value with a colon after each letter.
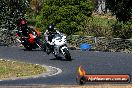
x: 11, y: 9
x: 123, y: 11
x: 121, y: 8
x: 36, y: 5
x: 66, y: 15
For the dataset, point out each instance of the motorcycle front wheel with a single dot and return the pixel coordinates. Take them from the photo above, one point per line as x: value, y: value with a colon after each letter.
x: 67, y: 54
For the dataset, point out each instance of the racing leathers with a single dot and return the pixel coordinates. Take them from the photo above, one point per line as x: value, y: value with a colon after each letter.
x: 48, y: 40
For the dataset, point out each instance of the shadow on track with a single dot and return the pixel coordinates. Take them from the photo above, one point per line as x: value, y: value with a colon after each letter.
x: 32, y: 50
x: 61, y: 59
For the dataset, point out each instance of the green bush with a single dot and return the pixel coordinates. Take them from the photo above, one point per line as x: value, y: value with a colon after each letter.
x: 122, y: 30
x: 66, y: 15
x: 97, y: 26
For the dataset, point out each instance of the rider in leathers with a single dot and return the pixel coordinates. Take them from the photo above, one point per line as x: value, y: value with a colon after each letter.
x: 48, y: 36
x: 23, y: 29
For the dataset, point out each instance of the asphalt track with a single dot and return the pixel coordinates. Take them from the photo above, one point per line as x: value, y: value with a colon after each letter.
x: 93, y: 62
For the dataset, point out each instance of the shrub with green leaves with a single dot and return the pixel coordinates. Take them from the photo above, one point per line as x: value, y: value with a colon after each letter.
x: 122, y: 30
x: 66, y: 15
x: 97, y: 26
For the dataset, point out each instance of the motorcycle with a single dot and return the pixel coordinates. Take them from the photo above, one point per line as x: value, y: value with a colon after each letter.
x: 60, y: 48
x: 32, y: 41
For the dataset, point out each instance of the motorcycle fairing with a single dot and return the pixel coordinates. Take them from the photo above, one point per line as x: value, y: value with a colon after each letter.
x: 31, y: 38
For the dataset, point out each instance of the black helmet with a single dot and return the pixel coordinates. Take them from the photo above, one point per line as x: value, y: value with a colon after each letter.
x: 51, y: 28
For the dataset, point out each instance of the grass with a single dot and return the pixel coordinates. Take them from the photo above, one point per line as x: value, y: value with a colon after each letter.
x: 14, y: 69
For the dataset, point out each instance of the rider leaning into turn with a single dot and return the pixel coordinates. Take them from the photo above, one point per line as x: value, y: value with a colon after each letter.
x: 48, y: 35
x: 23, y: 27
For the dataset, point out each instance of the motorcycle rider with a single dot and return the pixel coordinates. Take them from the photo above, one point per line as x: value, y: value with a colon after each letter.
x: 23, y: 29
x: 48, y: 36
